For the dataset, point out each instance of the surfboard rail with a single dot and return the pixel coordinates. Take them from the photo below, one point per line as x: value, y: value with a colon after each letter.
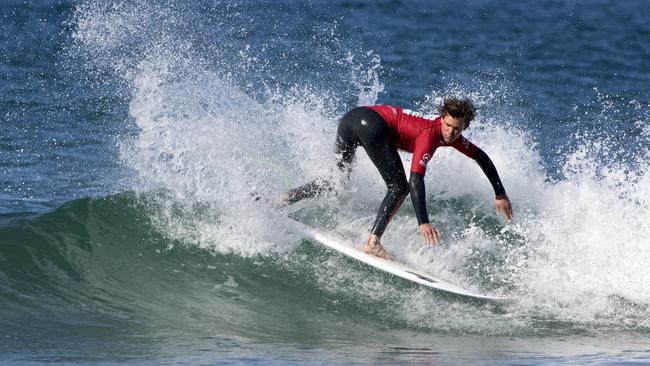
x: 389, y: 266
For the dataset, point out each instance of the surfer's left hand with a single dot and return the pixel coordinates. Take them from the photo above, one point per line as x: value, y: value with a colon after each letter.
x: 503, y: 206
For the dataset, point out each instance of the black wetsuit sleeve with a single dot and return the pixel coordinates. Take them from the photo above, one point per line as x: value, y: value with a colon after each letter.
x: 490, y: 171
x: 416, y: 187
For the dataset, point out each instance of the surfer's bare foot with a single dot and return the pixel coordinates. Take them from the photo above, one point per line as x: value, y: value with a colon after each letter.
x: 373, y: 247
x: 281, y: 201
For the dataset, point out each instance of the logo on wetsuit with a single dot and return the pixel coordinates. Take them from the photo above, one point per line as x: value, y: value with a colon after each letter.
x: 465, y: 142
x: 425, y: 160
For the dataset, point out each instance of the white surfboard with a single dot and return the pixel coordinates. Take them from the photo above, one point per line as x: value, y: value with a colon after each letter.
x: 389, y: 266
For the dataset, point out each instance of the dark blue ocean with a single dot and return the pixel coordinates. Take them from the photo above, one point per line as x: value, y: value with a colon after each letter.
x: 134, y: 134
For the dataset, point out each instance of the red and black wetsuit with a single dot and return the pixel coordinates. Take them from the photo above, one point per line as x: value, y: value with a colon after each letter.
x: 421, y: 136
x: 381, y: 130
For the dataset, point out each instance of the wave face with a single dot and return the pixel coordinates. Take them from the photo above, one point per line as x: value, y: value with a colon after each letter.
x: 132, y: 153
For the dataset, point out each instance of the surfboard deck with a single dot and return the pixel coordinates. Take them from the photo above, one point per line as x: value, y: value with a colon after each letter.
x: 390, y: 266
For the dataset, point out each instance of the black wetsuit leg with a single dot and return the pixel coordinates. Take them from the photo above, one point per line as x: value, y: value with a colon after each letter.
x: 347, y: 139
x: 372, y: 132
x: 363, y: 126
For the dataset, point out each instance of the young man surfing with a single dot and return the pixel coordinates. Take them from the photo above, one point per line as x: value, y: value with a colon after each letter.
x: 382, y: 130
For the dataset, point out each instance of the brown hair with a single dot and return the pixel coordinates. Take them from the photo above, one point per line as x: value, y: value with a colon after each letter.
x: 462, y: 109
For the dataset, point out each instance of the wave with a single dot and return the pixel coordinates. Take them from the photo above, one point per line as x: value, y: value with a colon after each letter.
x: 103, y: 258
x: 218, y: 113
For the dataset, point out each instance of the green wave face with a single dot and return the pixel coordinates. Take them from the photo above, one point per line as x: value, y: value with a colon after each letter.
x: 104, y: 270
x: 98, y: 267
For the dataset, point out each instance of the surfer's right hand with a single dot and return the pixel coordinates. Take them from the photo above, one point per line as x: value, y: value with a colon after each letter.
x: 429, y: 233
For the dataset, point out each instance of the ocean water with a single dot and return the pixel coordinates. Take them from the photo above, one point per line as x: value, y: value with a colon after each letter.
x: 135, y: 132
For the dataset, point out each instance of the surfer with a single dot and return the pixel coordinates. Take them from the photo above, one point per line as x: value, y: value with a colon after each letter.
x: 382, y: 130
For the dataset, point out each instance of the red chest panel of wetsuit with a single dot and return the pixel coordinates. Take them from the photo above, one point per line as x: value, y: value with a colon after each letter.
x: 418, y: 135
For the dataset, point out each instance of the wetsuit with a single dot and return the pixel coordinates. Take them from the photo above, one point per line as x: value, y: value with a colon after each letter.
x: 381, y: 130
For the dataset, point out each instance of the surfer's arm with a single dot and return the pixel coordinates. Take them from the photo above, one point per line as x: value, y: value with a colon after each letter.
x: 416, y: 188
x: 470, y: 150
x: 502, y: 202
x: 490, y: 171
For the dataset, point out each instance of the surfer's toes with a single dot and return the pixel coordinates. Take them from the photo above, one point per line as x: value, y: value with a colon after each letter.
x: 281, y: 201
x: 383, y: 254
x: 377, y: 250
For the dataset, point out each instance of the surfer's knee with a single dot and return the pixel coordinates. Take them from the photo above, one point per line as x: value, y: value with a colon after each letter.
x: 399, y: 187
x: 344, y: 163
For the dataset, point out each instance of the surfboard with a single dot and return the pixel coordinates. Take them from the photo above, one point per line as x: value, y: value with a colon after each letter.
x: 393, y: 267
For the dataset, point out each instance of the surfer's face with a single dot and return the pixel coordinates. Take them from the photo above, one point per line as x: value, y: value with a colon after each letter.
x: 451, y: 128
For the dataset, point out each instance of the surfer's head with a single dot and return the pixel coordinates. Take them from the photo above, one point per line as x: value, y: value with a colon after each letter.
x: 460, y: 109
x: 456, y: 116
